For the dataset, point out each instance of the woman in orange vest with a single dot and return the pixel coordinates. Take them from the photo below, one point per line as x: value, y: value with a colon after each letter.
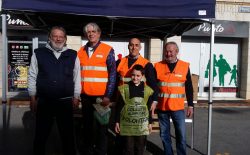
x: 174, y: 82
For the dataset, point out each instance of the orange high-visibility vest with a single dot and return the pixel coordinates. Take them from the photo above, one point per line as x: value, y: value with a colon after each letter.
x: 171, y: 85
x: 125, y: 72
x: 94, y: 72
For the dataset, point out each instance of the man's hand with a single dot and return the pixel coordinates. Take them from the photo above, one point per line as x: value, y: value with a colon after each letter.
x: 33, y: 104
x: 117, y: 127
x: 190, y: 111
x: 105, y: 101
x: 75, y: 102
x: 153, y: 107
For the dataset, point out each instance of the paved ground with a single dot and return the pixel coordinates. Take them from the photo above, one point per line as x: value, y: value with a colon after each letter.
x: 230, y: 132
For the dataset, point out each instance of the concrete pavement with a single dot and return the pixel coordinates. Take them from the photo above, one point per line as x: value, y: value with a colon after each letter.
x: 230, y: 132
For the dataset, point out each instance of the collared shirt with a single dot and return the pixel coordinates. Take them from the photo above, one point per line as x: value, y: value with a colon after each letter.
x: 33, y: 72
x: 90, y: 51
x: 111, y: 66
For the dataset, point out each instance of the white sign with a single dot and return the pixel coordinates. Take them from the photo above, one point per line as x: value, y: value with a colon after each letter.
x: 206, y: 28
x: 16, y: 22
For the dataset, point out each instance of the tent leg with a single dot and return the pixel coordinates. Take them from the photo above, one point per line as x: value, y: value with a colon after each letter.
x: 192, y: 131
x: 210, y: 89
x: 4, y: 68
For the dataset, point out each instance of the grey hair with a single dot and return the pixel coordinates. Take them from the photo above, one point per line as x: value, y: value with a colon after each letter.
x: 172, y: 43
x: 94, y: 25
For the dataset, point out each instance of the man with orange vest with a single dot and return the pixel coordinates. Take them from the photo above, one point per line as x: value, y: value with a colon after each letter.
x: 174, y: 82
x: 98, y: 78
x: 125, y: 65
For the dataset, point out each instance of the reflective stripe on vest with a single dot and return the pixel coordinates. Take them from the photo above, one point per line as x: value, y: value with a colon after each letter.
x: 94, y: 79
x: 96, y: 68
x: 171, y: 95
x: 167, y: 84
x: 124, y: 79
x: 127, y: 79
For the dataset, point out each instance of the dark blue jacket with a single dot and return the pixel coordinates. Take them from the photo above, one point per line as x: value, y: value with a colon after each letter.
x: 55, y: 76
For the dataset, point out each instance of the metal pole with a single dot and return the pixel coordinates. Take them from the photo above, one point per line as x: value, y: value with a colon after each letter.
x: 210, y: 89
x: 4, y: 69
x: 192, y: 131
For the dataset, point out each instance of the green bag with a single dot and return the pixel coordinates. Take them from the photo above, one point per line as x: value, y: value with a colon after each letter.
x: 102, y: 119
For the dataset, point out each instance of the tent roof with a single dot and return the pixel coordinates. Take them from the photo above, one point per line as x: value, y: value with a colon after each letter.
x: 117, y: 18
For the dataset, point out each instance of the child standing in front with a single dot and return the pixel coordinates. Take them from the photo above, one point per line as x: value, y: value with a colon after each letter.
x: 133, y: 118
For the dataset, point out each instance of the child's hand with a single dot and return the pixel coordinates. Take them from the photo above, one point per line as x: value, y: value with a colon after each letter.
x: 153, y: 107
x: 150, y: 128
x: 117, y: 127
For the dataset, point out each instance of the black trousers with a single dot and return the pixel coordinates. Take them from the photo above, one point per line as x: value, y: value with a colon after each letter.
x: 49, y: 110
x: 134, y: 145
x: 94, y: 134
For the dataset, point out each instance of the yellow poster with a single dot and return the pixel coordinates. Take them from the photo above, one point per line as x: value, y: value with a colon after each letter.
x: 22, y: 79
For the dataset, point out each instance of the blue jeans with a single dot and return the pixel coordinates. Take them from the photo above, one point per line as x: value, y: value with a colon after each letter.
x: 178, y: 118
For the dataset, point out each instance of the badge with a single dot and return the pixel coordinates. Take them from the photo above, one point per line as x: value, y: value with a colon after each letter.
x: 178, y: 75
x: 99, y: 56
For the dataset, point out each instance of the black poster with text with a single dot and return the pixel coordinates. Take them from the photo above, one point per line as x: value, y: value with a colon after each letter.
x: 19, y: 55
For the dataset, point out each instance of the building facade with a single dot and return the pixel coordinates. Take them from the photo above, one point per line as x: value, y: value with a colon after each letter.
x: 231, y: 46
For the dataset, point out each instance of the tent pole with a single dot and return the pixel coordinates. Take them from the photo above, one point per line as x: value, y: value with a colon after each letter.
x: 192, y: 130
x: 4, y: 67
x: 210, y: 88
